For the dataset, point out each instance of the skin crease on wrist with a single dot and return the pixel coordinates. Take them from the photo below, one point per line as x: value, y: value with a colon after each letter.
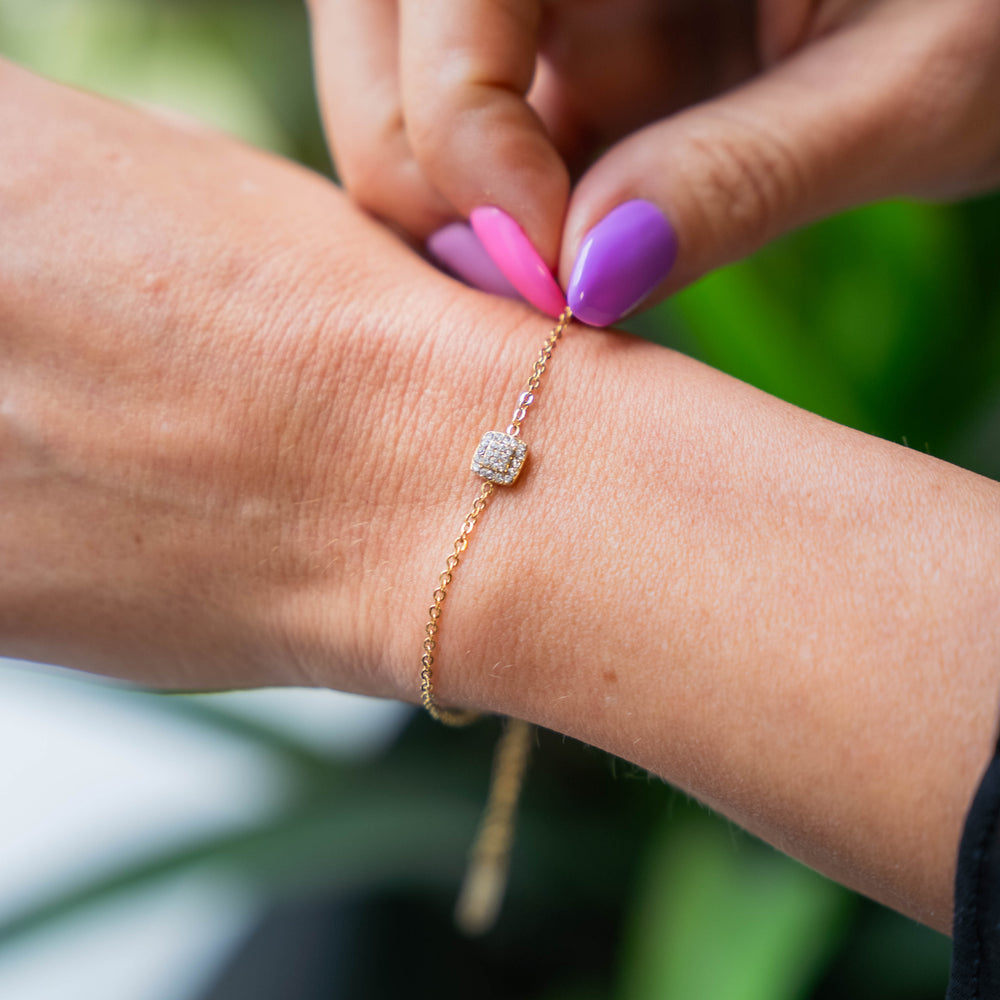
x: 236, y: 420
x: 792, y: 621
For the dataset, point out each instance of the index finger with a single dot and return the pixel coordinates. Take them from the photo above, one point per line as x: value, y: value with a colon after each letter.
x: 466, y: 67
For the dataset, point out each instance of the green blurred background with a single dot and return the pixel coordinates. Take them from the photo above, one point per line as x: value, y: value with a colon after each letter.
x: 887, y: 319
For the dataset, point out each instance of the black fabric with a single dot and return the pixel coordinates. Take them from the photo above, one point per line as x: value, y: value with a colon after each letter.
x: 975, y: 958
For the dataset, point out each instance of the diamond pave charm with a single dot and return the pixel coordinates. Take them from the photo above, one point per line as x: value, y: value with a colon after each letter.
x: 499, y: 457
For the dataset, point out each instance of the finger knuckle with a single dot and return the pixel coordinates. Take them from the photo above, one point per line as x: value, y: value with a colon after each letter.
x: 945, y: 97
x: 973, y: 69
x: 747, y: 181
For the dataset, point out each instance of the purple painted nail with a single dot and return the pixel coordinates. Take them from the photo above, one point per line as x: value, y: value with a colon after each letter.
x: 458, y: 250
x: 622, y: 259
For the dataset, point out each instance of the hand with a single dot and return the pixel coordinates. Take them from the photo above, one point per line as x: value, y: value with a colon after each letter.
x: 194, y: 338
x: 737, y: 127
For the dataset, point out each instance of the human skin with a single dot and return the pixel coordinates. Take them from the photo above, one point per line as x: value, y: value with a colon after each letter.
x: 236, y: 417
x: 739, y: 119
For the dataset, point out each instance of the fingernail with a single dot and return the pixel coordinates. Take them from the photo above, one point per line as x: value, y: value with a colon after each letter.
x: 458, y: 250
x: 512, y: 252
x: 622, y: 259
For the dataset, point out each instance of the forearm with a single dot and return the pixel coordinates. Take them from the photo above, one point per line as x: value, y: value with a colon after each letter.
x: 236, y: 420
x: 793, y: 621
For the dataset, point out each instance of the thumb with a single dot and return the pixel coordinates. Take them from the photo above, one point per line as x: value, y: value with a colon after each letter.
x: 871, y: 111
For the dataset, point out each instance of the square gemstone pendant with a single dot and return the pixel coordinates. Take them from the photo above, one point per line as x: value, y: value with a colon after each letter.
x: 499, y: 457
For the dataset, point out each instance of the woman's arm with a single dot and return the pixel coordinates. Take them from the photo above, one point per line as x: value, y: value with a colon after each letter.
x: 796, y: 623
x: 236, y: 419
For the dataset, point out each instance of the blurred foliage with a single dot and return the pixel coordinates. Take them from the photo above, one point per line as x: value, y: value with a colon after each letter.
x: 887, y: 319
x: 241, y: 66
x: 778, y: 920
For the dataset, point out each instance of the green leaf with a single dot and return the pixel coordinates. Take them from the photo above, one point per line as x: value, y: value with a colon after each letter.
x: 721, y: 917
x: 743, y: 328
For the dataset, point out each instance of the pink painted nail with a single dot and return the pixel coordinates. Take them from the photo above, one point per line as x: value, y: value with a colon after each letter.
x: 458, y: 250
x: 512, y: 252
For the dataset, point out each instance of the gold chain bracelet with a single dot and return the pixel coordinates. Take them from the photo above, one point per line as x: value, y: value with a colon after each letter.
x: 498, y: 460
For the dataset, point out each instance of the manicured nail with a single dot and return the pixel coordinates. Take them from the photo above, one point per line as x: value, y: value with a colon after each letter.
x: 512, y: 252
x: 458, y: 250
x: 621, y: 260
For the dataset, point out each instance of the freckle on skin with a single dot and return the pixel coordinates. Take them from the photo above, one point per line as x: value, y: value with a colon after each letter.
x: 610, y: 677
x: 118, y: 159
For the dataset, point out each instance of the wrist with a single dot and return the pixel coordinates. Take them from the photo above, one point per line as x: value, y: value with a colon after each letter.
x: 451, y: 370
x: 789, y: 619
